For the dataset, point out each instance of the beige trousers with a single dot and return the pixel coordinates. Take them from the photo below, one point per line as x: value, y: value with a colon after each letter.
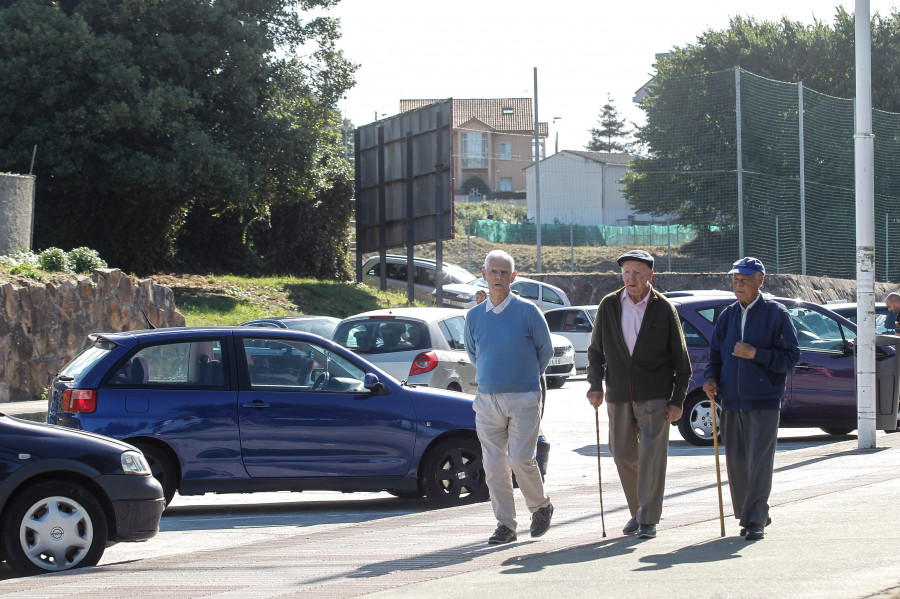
x: 639, y: 444
x: 508, y: 425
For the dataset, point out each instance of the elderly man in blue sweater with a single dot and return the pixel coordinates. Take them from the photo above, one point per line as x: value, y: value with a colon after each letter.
x: 754, y: 347
x: 509, y: 342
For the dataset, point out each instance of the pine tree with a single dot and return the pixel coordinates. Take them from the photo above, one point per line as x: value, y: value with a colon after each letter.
x: 612, y: 130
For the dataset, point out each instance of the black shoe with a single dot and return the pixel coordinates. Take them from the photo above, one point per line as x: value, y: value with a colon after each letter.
x: 540, y: 520
x: 647, y: 531
x: 503, y: 534
x: 755, y: 532
x: 744, y: 530
x: 632, y: 527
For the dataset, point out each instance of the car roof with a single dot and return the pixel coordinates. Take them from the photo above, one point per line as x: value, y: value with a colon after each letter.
x: 428, y: 314
x: 834, y: 307
x: 149, y: 335
x: 416, y: 259
x: 698, y: 293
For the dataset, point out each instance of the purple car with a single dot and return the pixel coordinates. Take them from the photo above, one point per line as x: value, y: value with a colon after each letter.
x: 821, y: 389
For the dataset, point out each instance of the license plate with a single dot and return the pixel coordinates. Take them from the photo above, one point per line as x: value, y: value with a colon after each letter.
x: 555, y: 361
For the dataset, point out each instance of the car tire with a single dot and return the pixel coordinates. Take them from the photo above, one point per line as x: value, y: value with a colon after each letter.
x: 52, y: 526
x: 453, y: 474
x: 556, y: 382
x: 162, y: 468
x: 695, y: 424
x: 838, y: 430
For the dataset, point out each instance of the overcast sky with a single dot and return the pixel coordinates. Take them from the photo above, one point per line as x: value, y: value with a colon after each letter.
x: 583, y: 49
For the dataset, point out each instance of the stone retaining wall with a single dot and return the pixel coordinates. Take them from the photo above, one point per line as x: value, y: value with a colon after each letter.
x: 43, y: 324
x: 587, y: 289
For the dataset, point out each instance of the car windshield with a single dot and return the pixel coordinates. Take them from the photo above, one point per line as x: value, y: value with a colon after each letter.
x: 87, y: 358
x: 462, y: 276
x: 382, y: 335
x: 322, y: 327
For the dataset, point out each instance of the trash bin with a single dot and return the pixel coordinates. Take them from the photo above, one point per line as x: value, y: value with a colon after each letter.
x: 887, y: 371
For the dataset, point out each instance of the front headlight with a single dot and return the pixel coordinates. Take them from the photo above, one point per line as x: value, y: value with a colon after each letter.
x: 570, y: 351
x: 134, y: 462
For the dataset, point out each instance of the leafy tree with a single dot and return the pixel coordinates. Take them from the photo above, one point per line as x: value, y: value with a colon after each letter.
x: 612, y: 129
x: 158, y: 120
x: 690, y: 130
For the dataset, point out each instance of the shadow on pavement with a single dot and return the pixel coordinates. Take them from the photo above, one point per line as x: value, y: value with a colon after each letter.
x: 535, y: 562
x: 303, y: 512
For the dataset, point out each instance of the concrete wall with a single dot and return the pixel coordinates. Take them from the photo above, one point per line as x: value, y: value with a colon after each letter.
x: 44, y: 324
x: 16, y: 192
x: 589, y: 289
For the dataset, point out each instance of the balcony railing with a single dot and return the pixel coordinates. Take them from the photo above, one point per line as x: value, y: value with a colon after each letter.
x: 474, y: 161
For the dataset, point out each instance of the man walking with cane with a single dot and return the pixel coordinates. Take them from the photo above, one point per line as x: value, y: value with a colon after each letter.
x: 754, y: 347
x: 638, y: 349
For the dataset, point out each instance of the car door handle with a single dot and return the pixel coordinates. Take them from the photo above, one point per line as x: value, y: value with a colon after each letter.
x: 803, y: 367
x: 256, y: 403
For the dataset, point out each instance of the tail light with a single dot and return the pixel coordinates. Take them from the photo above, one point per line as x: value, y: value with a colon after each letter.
x: 424, y: 362
x: 80, y: 401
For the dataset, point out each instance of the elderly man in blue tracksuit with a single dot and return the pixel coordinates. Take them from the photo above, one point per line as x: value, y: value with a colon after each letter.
x: 508, y: 340
x: 753, y: 349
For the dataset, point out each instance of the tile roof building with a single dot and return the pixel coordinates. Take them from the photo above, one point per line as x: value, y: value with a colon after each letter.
x: 493, y: 141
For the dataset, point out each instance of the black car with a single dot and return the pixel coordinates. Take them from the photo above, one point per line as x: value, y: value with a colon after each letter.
x: 65, y: 495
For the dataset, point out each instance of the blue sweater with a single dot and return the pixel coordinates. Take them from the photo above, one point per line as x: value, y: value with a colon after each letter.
x: 510, y: 349
x: 759, y: 383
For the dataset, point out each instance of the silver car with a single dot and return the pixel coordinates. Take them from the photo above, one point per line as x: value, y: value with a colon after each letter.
x: 422, y: 346
x: 424, y: 275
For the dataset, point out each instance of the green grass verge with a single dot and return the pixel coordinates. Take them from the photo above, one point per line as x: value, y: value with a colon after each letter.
x: 239, y: 299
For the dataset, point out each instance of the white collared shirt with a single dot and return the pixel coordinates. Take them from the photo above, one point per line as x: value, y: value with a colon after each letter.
x: 632, y: 317
x: 490, y: 307
x: 744, y: 314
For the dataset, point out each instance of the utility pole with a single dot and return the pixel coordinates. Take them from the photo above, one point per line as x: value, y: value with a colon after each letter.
x: 864, y: 161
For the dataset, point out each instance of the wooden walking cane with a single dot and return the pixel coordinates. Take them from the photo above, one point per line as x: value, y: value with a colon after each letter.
x: 715, y: 433
x: 600, y: 475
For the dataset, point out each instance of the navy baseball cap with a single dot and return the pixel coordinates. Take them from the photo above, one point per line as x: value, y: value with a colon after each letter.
x: 639, y: 255
x: 748, y: 266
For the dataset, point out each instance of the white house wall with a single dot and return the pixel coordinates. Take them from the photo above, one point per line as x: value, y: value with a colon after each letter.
x: 578, y: 190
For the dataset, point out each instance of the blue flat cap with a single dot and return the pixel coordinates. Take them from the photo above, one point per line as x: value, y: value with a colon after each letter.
x: 748, y: 266
x: 639, y: 255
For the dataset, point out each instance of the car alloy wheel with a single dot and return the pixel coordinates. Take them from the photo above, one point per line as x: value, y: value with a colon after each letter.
x: 695, y: 424
x: 453, y: 473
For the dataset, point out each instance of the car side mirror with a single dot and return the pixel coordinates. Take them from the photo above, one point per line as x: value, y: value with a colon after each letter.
x: 373, y: 384
x: 849, y: 348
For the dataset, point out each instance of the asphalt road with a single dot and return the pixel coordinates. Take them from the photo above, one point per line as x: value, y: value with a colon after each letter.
x: 253, y: 522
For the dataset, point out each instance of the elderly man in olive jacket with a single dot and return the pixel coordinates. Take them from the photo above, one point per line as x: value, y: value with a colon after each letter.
x: 638, y: 350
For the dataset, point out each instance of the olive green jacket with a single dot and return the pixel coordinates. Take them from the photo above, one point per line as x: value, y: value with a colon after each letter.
x: 660, y: 367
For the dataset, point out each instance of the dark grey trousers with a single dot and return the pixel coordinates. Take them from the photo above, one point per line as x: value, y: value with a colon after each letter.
x: 750, y: 439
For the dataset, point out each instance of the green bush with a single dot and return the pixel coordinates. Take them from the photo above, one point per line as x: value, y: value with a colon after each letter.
x: 84, y: 260
x: 54, y: 260
x: 21, y: 262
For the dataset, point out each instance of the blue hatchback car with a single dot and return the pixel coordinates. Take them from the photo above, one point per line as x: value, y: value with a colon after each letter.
x: 244, y: 409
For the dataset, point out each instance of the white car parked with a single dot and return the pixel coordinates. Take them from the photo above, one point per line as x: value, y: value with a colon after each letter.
x: 545, y: 295
x: 575, y: 323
